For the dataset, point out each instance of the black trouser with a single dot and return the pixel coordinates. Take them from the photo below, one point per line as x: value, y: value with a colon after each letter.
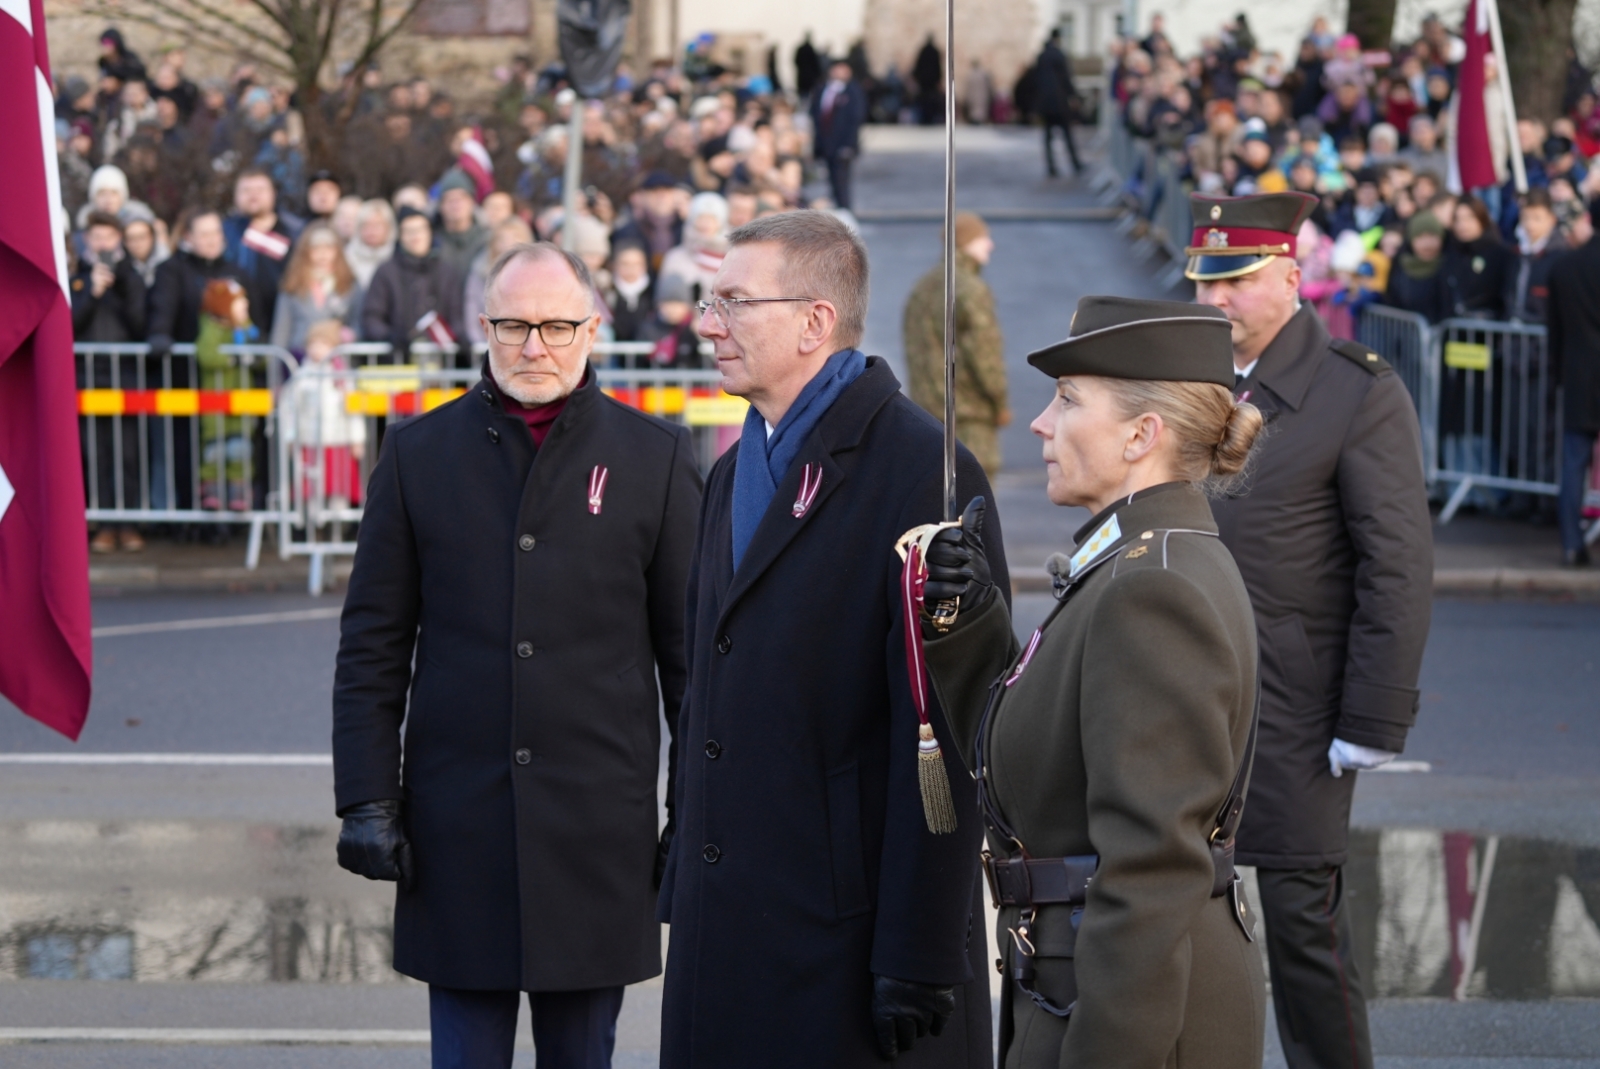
x: 1316, y: 990
x: 478, y: 1029
x: 839, y: 177
x: 1051, y: 124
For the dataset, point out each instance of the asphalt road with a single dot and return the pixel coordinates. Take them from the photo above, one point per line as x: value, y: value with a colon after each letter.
x: 213, y: 887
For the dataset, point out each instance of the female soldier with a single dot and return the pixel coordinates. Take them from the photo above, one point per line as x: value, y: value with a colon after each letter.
x: 1110, y: 748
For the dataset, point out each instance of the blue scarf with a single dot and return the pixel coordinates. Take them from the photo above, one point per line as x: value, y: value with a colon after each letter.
x: 764, y: 461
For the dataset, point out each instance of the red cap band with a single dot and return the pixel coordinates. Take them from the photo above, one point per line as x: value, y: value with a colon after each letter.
x: 1220, y: 240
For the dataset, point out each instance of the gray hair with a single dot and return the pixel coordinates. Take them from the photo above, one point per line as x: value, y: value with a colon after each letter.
x: 823, y: 259
x: 542, y: 250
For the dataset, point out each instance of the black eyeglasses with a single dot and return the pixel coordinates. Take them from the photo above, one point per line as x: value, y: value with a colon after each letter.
x: 553, y: 332
x: 722, y: 307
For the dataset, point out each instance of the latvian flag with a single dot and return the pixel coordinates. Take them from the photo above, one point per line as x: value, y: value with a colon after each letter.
x: 45, y: 653
x: 268, y: 243
x: 475, y: 161
x: 436, y: 330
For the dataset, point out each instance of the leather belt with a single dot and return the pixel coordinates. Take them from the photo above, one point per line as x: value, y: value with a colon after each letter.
x: 1039, y: 881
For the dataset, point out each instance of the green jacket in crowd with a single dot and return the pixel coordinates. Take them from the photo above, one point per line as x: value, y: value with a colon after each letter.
x: 980, y: 350
x: 1121, y: 737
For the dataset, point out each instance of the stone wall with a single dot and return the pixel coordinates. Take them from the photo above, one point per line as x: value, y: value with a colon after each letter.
x: 1004, y: 35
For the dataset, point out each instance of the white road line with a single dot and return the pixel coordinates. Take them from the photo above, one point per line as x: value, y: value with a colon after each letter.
x: 261, y: 759
x: 207, y: 622
x: 218, y: 1036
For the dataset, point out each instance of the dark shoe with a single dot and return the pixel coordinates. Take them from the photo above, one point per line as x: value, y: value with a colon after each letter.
x: 1575, y: 558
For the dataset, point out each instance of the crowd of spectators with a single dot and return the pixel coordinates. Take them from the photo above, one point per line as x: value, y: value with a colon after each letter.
x: 387, y: 223
x: 1368, y: 135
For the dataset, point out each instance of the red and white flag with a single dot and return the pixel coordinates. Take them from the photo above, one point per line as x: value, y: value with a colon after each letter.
x: 478, y: 166
x: 437, y: 330
x: 45, y: 655
x: 266, y: 242
x: 1471, y: 151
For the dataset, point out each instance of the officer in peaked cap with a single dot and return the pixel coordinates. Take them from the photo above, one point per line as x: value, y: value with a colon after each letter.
x: 1125, y: 936
x: 1334, y: 541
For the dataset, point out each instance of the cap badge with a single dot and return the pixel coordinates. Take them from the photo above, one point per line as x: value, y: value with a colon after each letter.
x: 1216, y: 239
x: 1216, y: 212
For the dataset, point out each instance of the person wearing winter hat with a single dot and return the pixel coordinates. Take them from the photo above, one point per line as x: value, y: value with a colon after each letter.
x: 705, y: 243
x: 460, y: 237
x: 1414, y: 282
x: 108, y: 194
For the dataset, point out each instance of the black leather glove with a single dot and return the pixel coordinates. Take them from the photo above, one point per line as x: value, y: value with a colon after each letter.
x: 957, y: 565
x: 903, y: 1010
x: 663, y: 848
x: 372, y: 842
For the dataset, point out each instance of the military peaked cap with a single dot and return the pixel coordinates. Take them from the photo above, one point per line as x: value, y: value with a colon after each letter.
x: 1234, y: 236
x: 1123, y: 338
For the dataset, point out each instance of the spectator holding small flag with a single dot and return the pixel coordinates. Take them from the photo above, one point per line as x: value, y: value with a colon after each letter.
x: 416, y: 292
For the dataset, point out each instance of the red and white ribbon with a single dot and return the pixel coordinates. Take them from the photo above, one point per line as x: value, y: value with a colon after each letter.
x: 597, y: 488
x: 1027, y: 655
x: 268, y: 243
x: 810, y: 483
x: 913, y: 577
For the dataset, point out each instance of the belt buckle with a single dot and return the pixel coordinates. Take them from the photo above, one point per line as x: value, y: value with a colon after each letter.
x: 991, y: 877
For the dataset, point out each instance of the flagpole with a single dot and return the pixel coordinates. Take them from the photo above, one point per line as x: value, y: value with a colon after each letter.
x: 951, y: 510
x: 1519, y: 171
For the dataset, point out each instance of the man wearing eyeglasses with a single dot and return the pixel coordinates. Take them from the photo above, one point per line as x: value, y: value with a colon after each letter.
x: 517, y: 607
x: 816, y: 921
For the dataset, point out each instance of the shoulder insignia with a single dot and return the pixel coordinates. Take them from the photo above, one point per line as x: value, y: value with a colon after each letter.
x: 1360, y: 355
x: 1136, y: 552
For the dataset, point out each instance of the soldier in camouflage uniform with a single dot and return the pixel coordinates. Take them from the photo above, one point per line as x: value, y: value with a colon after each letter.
x: 982, y: 407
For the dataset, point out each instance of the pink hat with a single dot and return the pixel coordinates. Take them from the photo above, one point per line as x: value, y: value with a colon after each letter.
x: 1349, y: 40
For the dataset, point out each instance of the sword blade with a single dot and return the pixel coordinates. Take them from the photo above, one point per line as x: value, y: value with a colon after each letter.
x: 950, y: 505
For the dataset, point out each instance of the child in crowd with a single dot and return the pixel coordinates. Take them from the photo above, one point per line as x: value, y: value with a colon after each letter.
x: 224, y: 440
x: 330, y: 441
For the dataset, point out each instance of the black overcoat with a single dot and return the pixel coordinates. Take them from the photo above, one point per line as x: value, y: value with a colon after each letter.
x: 803, y: 863
x: 1574, y: 311
x: 529, y: 634
x: 1334, y: 541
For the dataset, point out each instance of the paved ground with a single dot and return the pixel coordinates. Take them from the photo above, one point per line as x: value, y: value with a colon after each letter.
x: 215, y: 886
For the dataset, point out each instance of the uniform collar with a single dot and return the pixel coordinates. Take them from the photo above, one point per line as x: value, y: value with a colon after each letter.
x: 1290, y: 360
x: 1165, y: 506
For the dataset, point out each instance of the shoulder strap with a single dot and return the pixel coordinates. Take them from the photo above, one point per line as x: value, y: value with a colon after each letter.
x: 1360, y: 355
x: 1232, y: 811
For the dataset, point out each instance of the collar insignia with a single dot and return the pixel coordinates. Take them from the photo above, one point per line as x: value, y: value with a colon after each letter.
x: 1109, y: 532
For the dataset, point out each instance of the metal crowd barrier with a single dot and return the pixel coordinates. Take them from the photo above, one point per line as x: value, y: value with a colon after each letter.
x: 1406, y: 341
x: 1499, y: 410
x: 269, y: 443
x: 167, y: 441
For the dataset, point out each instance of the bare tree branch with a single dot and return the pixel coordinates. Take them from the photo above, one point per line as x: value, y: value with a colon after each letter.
x: 375, y: 46
x: 180, y: 24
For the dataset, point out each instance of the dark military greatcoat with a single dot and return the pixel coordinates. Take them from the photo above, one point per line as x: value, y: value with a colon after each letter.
x: 1333, y: 538
x: 803, y: 863
x: 519, y: 634
x: 1121, y: 737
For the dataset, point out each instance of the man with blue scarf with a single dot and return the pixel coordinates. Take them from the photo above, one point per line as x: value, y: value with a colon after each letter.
x: 815, y: 918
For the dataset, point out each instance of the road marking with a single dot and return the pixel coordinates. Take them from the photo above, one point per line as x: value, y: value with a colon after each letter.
x: 218, y: 1036
x: 275, y: 759
x: 1405, y: 766
x: 206, y: 622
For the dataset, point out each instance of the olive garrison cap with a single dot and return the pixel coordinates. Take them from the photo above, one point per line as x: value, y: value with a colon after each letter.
x: 1234, y: 236
x: 1123, y: 338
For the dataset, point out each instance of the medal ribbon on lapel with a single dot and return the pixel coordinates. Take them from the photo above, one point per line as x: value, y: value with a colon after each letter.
x: 597, y: 488
x: 938, y: 808
x: 810, y: 483
x: 1027, y: 655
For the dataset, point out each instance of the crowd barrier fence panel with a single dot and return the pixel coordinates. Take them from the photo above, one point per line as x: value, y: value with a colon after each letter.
x: 167, y: 441
x: 1499, y: 411
x: 1406, y: 341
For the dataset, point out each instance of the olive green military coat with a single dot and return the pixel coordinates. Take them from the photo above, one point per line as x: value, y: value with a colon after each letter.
x: 1121, y: 737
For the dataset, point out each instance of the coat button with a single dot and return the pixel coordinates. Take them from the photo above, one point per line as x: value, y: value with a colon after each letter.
x: 494, y: 436
x: 713, y: 750
x: 527, y: 542
x: 724, y: 644
x: 523, y: 756
x: 524, y: 649
x: 488, y: 398
x: 711, y: 854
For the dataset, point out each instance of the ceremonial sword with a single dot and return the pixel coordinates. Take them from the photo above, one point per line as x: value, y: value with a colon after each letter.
x: 937, y: 805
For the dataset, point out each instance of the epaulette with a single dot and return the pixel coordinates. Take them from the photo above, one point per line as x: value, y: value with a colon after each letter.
x: 1360, y: 355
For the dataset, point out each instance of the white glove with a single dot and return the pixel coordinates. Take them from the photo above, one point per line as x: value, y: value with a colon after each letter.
x: 1343, y: 755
